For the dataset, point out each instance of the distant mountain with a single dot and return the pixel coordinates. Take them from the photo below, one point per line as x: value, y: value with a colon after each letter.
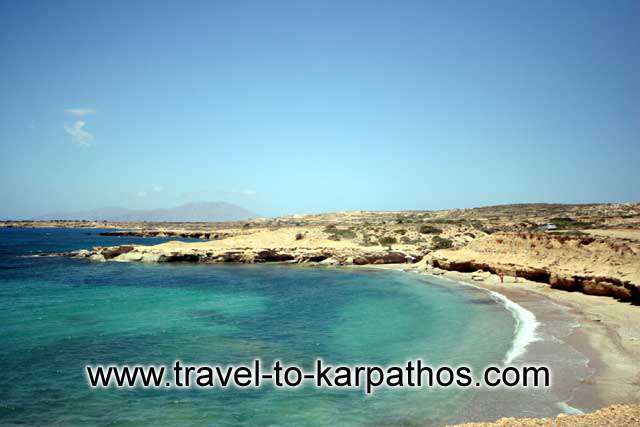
x: 190, y: 212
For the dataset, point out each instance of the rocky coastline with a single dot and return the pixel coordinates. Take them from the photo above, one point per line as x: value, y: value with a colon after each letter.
x: 588, y: 262
x: 434, y: 262
x: 322, y: 256
x: 185, y: 234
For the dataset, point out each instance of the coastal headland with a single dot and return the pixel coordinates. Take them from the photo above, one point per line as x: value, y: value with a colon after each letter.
x: 585, y: 258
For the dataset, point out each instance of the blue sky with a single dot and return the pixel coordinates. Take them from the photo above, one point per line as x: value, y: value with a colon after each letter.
x: 294, y: 107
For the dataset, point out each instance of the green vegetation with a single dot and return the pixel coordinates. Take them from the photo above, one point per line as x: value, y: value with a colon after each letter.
x: 367, y: 241
x: 338, y: 234
x: 441, y: 242
x: 387, y: 241
x: 428, y: 229
x: 409, y: 241
x: 565, y: 222
x: 345, y: 234
x: 452, y: 221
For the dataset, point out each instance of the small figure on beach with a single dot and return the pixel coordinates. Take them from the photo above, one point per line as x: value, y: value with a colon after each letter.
x: 501, y: 274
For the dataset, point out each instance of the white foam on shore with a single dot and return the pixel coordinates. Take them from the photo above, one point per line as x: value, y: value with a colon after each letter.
x: 526, y: 322
x: 568, y: 409
x: 524, y: 331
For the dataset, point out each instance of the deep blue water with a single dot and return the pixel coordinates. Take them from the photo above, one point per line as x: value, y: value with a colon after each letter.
x: 58, y: 314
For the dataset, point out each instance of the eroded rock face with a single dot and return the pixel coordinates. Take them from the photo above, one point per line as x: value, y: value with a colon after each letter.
x: 534, y: 274
x: 462, y: 266
x: 247, y: 256
x: 600, y: 286
x: 394, y: 258
x: 539, y: 275
x: 165, y: 233
x: 112, y: 252
x: 179, y: 257
x: 313, y: 257
x: 590, y: 285
x: 564, y: 283
x: 360, y: 260
x: 271, y: 255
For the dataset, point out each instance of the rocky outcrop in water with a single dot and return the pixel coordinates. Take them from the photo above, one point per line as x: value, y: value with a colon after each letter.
x: 330, y: 256
x: 166, y: 233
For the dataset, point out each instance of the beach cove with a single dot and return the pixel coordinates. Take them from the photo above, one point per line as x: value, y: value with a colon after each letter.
x: 60, y: 314
x: 602, y: 332
x: 586, y: 336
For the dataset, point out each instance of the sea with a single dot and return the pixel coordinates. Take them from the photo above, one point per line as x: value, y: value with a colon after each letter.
x: 58, y: 315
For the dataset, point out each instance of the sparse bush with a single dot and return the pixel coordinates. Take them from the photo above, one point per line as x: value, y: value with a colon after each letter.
x: 428, y: 229
x: 387, y: 241
x: 299, y: 236
x: 367, y: 241
x: 338, y: 234
x: 452, y: 221
x: 345, y: 234
x: 565, y: 222
x: 441, y: 242
x: 401, y: 232
x: 409, y: 241
x: 489, y: 230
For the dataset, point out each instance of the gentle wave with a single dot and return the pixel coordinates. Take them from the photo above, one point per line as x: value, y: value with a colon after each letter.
x: 526, y: 322
x: 568, y: 409
x: 525, y: 329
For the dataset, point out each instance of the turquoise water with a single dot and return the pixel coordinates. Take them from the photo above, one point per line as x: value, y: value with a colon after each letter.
x: 57, y: 315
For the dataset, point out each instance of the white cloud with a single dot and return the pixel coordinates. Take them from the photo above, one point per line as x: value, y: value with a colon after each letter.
x: 79, y: 112
x: 78, y: 134
x: 157, y: 188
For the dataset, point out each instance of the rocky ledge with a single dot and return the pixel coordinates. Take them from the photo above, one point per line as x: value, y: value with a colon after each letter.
x: 168, y: 233
x: 576, y: 263
x: 601, y: 270
x: 622, y: 290
x: 325, y: 256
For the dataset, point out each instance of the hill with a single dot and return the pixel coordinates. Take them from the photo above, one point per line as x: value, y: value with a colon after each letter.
x: 190, y: 212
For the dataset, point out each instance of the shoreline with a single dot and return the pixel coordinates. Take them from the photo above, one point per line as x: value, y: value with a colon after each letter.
x: 607, y: 334
x: 607, y: 330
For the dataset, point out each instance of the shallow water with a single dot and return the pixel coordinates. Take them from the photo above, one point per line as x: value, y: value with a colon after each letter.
x: 57, y: 315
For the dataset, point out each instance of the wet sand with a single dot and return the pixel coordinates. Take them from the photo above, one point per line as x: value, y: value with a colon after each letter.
x: 606, y: 333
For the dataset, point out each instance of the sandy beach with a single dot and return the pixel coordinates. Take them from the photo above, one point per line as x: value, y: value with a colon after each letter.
x: 608, y: 335
x: 582, y: 273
